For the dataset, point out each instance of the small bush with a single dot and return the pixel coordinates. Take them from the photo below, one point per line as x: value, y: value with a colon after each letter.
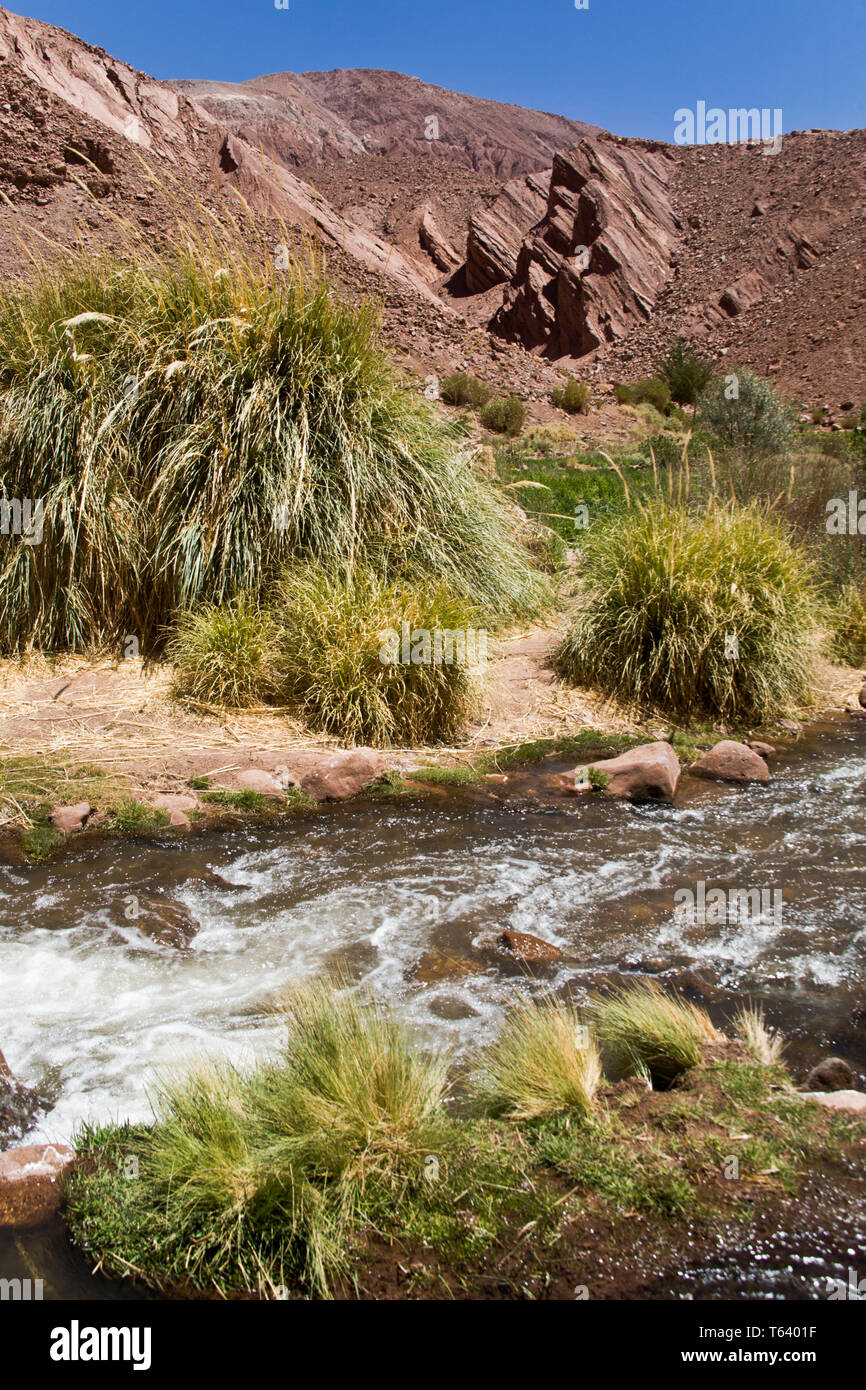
x: 755, y: 420
x: 544, y: 1062
x: 573, y: 397
x: 765, y: 1046
x: 461, y: 389
x: 666, y: 589
x: 848, y: 640
x: 335, y: 629
x: 667, y: 449
x: 687, y: 373
x: 504, y: 415
x: 647, y: 1032
x: 226, y: 655
x: 652, y: 390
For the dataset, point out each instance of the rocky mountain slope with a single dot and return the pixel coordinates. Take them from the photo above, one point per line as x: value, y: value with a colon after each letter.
x: 511, y: 243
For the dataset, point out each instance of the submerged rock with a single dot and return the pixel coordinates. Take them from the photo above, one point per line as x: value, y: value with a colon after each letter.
x: 342, y: 775
x: 833, y: 1074
x: 19, y: 1105
x: 523, y: 946
x: 170, y: 923
x: 763, y: 750
x: 30, y: 1187
x: 649, y: 772
x: 731, y: 762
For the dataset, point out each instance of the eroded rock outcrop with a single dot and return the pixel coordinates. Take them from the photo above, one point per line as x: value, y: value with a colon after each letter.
x: 496, y: 235
x: 593, y: 267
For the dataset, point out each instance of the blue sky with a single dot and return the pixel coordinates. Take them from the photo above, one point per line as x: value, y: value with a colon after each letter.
x: 627, y: 65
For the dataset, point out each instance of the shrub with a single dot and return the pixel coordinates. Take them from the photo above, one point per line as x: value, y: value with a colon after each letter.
x: 504, y: 415
x: 461, y: 389
x: 544, y: 1062
x: 334, y: 632
x: 765, y: 1046
x: 573, y: 397
x: 665, y: 591
x: 226, y: 655
x: 687, y: 374
x: 753, y: 421
x: 647, y: 1032
x: 651, y: 390
x: 848, y: 616
x: 192, y: 429
x: 667, y: 449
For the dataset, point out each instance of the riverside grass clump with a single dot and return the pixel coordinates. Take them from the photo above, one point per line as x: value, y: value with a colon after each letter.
x: 544, y: 1063
x: 643, y: 1031
x: 226, y: 655
x: 707, y: 612
x: 192, y: 423
x: 341, y: 639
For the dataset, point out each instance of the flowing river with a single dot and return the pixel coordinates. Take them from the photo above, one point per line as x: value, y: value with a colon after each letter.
x: 398, y: 895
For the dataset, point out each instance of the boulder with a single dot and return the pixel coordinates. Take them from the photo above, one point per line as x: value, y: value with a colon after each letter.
x: 830, y: 1075
x: 731, y: 762
x: 526, y: 947
x: 862, y: 697
x: 851, y: 1101
x: 169, y: 923
x: 649, y: 772
x: 763, y: 750
x: 169, y: 801
x: 342, y: 775
x: 255, y: 780
x: 70, y: 818
x: 30, y: 1187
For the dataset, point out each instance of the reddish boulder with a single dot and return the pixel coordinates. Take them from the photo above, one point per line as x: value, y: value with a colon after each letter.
x: 342, y: 775
x: 649, y: 772
x: 852, y: 1101
x: 70, y: 818
x: 30, y: 1186
x: 255, y: 780
x: 169, y: 923
x: 833, y: 1074
x: 764, y: 750
x: 528, y: 948
x: 731, y: 762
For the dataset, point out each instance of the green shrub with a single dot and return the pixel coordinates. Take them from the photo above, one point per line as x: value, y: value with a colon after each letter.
x: 644, y: 1031
x: 192, y: 428
x: 573, y: 397
x: 667, y: 449
x: 226, y: 655
x: 543, y: 1063
x: 744, y: 411
x: 667, y: 589
x: 133, y: 817
x: 461, y: 389
x: 651, y: 390
x: 334, y: 634
x: 687, y: 373
x: 848, y: 615
x: 504, y: 415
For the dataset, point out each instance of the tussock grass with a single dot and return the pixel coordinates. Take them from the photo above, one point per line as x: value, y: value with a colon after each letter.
x: 848, y: 620
x: 334, y: 630
x: 226, y: 655
x: 543, y: 1063
x: 194, y: 423
x: 765, y: 1045
x: 667, y: 588
x: 646, y: 1032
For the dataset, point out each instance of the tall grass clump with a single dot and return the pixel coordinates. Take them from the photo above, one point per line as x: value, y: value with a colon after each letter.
x: 848, y: 624
x: 193, y: 423
x: 751, y: 1028
x: 572, y: 396
x: 644, y: 1031
x: 340, y: 635
x: 504, y: 415
x: 253, y: 1179
x: 462, y: 389
x: 668, y: 589
x: 226, y: 655
x: 544, y: 1063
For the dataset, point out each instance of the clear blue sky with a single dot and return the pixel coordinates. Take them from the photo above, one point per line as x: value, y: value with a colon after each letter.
x: 625, y: 64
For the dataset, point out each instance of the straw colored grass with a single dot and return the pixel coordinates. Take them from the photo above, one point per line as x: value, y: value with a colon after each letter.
x: 544, y: 1063
x: 644, y: 1031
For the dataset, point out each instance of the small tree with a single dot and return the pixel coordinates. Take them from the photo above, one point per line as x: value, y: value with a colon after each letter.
x: 687, y: 374
x: 744, y: 410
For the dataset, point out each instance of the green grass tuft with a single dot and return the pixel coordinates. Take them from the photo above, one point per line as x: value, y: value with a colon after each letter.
x: 643, y: 1031
x: 543, y: 1063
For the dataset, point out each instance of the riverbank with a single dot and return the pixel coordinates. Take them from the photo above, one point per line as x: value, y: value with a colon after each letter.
x: 107, y: 735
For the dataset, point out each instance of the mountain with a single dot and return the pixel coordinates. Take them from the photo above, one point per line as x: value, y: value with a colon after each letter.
x: 515, y: 244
